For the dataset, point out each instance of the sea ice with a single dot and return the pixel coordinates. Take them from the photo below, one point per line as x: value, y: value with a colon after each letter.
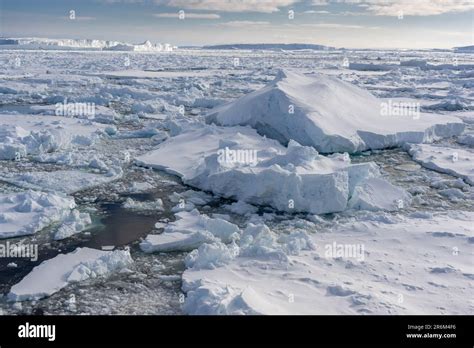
x: 453, y: 161
x: 330, y: 115
x: 54, y: 274
x: 188, y: 232
x: 236, y: 162
x: 28, y: 212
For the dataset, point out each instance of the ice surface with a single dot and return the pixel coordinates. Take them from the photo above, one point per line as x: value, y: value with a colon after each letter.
x: 25, y: 135
x: 66, y: 181
x: 54, y: 274
x: 329, y: 114
x: 74, y: 223
x: 454, y: 161
x: 29, y: 212
x: 359, y: 267
x: 188, y: 232
x: 293, y: 179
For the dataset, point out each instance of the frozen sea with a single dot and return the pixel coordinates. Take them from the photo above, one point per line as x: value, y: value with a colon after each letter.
x: 416, y: 259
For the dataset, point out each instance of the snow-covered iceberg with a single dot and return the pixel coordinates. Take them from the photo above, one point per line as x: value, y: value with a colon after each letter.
x: 331, y: 115
x: 237, y: 163
x: 29, y: 212
x: 54, y: 274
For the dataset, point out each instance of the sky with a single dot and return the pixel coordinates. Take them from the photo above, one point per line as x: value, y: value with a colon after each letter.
x: 337, y: 23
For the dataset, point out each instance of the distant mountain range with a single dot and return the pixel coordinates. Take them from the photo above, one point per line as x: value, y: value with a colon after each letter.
x: 464, y: 49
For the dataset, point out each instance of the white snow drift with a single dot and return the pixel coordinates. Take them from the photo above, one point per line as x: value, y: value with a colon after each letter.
x: 331, y: 115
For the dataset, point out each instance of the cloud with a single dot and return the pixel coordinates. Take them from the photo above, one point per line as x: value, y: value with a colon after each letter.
x: 188, y: 15
x: 330, y: 26
x: 243, y: 24
x: 318, y: 12
x: 267, y: 6
x: 79, y: 18
x: 412, y: 7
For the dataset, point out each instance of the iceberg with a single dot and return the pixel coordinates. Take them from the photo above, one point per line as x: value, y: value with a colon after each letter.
x: 237, y: 163
x: 331, y: 115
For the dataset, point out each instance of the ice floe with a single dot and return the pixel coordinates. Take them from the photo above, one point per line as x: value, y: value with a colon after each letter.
x: 454, y: 161
x: 331, y: 115
x: 52, y: 275
x: 26, y: 135
x: 65, y: 181
x: 28, y: 212
x: 188, y: 232
x: 236, y: 162
x: 411, y: 265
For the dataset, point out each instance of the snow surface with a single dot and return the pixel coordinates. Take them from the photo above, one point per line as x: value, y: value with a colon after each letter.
x: 35, y: 135
x: 28, y: 212
x: 293, y: 179
x: 413, y: 265
x: 329, y: 114
x: 54, y: 274
x: 188, y: 232
x: 417, y: 256
x: 457, y: 162
x: 65, y: 181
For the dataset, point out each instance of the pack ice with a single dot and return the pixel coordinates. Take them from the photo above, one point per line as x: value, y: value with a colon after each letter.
x: 188, y: 232
x: 329, y: 114
x: 35, y: 135
x: 29, y: 212
x: 237, y: 163
x: 54, y: 274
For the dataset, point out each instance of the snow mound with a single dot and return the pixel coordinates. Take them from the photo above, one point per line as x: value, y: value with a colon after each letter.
x: 237, y: 163
x: 330, y: 115
x: 29, y: 212
x: 189, y: 232
x: 54, y: 274
x: 453, y: 161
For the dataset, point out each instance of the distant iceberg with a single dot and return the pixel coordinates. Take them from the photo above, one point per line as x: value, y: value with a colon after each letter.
x: 81, y: 44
